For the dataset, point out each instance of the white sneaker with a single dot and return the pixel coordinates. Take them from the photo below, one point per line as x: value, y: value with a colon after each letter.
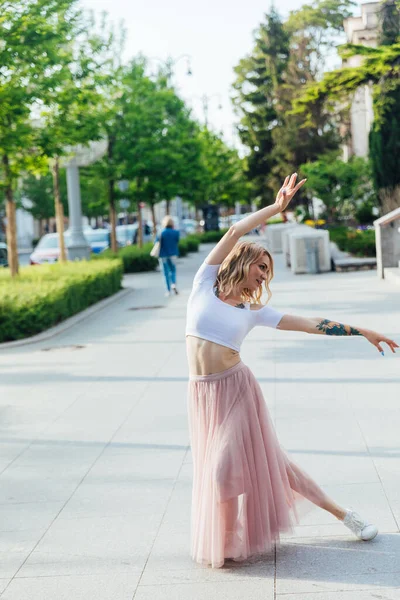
x: 167, y: 294
x: 174, y: 289
x: 361, y: 528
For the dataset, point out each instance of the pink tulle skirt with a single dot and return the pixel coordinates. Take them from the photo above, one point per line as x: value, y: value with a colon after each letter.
x: 245, y: 486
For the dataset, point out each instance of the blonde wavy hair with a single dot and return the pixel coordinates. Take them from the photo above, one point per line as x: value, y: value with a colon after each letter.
x: 168, y: 222
x: 235, y: 269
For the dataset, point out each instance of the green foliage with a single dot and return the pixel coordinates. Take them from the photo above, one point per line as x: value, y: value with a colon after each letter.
x: 342, y: 186
x: 384, y: 140
x: 46, y: 295
x: 209, y: 237
x: 258, y: 75
x: 379, y: 63
x: 27, y: 76
x: 286, y: 56
x: 192, y: 242
x: 93, y: 192
x: 39, y: 190
x: 365, y: 214
x: 380, y: 67
x: 152, y: 139
x: 223, y: 180
x: 355, y: 241
x: 134, y: 259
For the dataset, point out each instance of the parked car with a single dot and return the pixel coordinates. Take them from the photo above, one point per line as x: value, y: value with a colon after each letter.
x: 3, y: 255
x: 98, y: 239
x: 47, y: 250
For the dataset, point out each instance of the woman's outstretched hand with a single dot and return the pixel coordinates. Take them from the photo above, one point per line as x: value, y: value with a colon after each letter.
x: 287, y: 191
x: 377, y: 338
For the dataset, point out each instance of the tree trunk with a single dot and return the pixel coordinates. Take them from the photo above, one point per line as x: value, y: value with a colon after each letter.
x: 389, y: 199
x: 111, y: 197
x: 59, y: 210
x: 11, y: 231
x: 140, y: 227
x: 153, y: 216
x: 167, y: 206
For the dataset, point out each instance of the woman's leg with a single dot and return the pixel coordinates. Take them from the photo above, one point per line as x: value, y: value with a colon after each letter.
x: 302, y: 483
x: 165, y: 266
x: 172, y: 270
x: 230, y: 514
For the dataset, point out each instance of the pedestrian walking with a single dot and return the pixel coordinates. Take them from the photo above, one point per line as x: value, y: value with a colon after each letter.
x: 169, y: 250
x: 245, y: 486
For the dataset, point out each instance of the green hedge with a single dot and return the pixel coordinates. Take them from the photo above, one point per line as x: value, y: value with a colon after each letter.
x: 209, y: 237
x: 356, y: 241
x: 188, y: 244
x: 45, y: 295
x: 134, y: 259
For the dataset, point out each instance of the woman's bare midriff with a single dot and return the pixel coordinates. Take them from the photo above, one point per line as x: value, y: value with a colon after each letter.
x: 207, y: 358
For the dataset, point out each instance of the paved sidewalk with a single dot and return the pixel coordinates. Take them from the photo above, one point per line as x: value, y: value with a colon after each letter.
x: 96, y: 470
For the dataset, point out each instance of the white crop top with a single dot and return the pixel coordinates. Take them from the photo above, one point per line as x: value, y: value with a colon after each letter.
x: 211, y: 319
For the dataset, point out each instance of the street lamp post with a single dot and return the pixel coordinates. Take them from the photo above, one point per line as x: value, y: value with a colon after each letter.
x: 77, y: 245
x: 78, y: 248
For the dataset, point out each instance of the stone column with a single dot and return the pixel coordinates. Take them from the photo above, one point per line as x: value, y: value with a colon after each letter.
x: 78, y: 248
x: 387, y: 239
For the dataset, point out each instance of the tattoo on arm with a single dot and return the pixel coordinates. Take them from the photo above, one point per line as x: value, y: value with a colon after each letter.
x: 333, y: 328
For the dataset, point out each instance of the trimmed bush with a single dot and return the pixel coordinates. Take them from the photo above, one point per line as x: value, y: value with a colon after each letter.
x: 209, y: 237
x: 356, y: 241
x: 188, y: 244
x: 193, y: 243
x: 134, y: 259
x: 45, y: 295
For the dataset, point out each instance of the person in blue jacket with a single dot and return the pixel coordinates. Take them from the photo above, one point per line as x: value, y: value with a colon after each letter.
x: 169, y: 239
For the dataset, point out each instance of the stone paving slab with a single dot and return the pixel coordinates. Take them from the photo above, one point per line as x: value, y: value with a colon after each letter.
x: 96, y: 470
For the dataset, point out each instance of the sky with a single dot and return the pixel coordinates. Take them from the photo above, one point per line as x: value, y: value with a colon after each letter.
x: 216, y: 34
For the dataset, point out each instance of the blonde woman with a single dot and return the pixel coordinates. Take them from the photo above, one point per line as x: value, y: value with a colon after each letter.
x: 169, y: 250
x: 244, y: 485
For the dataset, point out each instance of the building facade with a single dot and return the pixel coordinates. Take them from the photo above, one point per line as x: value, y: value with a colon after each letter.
x: 361, y: 30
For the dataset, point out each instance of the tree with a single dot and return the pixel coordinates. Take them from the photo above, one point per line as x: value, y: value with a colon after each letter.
x: 287, y: 56
x: 384, y: 138
x: 73, y: 112
x: 94, y: 192
x: 343, y: 187
x: 39, y: 190
x: 224, y: 180
x: 380, y: 68
x: 26, y: 76
x: 257, y: 77
x: 155, y: 143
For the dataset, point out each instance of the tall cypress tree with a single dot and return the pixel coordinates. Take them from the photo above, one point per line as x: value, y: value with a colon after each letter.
x: 255, y: 101
x: 385, y: 133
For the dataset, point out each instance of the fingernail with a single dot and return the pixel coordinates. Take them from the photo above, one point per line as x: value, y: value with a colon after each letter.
x: 383, y: 354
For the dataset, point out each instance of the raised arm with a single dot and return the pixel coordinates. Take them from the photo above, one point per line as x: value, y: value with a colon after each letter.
x: 232, y: 236
x: 326, y: 327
